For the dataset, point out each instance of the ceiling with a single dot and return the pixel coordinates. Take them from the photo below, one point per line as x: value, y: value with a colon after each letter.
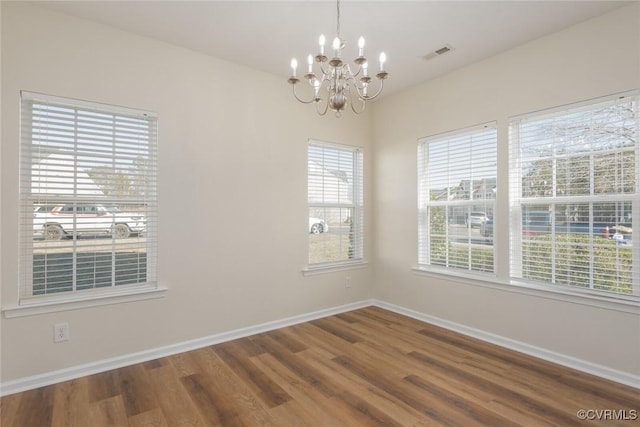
x: 265, y: 35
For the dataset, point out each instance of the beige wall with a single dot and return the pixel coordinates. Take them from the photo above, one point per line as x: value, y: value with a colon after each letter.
x: 232, y: 189
x: 596, y: 58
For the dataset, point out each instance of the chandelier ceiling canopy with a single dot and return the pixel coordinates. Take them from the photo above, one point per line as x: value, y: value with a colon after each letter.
x: 335, y: 85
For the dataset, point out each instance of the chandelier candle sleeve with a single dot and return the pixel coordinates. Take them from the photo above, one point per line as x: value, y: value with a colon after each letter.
x: 294, y: 66
x: 336, y: 47
x: 310, y: 63
x: 316, y: 88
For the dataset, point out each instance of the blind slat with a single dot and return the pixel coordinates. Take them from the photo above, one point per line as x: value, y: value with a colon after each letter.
x: 574, y: 196
x: 457, y: 183
x: 88, y: 196
x: 335, y: 199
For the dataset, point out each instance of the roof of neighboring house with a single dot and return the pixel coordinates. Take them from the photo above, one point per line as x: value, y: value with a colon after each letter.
x: 335, y: 183
x: 55, y: 174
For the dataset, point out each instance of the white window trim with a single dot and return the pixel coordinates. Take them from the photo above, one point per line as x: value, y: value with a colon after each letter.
x: 444, y: 270
x: 592, y: 299
x: 516, y: 202
x: 502, y: 281
x: 95, y: 300
x: 360, y: 261
x: 330, y: 268
x: 55, y: 302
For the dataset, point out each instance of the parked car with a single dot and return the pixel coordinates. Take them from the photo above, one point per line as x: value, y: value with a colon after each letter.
x: 486, y: 228
x: 317, y: 226
x: 539, y: 222
x: 533, y: 223
x: 621, y: 233
x: 66, y: 220
x: 476, y: 219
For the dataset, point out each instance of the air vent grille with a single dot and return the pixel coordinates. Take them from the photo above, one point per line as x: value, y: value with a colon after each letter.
x: 438, y: 52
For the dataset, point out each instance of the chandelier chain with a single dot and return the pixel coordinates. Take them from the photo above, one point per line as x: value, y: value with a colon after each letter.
x: 338, y: 14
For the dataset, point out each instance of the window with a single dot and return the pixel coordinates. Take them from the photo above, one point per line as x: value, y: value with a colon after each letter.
x: 456, y: 199
x: 574, y: 175
x: 335, y: 203
x: 88, y: 199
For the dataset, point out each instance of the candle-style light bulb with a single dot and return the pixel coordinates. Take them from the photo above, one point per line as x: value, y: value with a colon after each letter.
x: 336, y: 47
x: 383, y: 59
x: 321, y: 42
x: 294, y: 65
x: 361, y: 46
x: 310, y: 63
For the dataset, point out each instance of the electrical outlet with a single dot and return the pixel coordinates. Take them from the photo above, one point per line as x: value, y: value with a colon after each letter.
x: 60, y: 332
x: 347, y: 282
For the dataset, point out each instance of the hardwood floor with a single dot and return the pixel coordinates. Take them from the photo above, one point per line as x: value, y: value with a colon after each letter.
x: 368, y: 367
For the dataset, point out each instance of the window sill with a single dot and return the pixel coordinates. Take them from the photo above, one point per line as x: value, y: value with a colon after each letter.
x: 330, y: 268
x: 626, y: 304
x: 50, y: 305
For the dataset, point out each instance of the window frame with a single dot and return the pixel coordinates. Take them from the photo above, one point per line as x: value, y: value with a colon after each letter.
x: 29, y: 303
x: 517, y: 201
x: 425, y: 203
x: 357, y: 205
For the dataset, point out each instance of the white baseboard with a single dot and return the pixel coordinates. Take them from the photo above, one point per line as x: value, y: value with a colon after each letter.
x: 67, y: 374
x: 541, y: 353
x: 73, y: 372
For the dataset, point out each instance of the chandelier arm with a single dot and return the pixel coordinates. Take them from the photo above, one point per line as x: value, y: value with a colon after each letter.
x: 350, y: 79
x: 359, y: 88
x: 356, y: 74
x: 360, y: 92
x: 326, y: 108
x: 324, y: 85
x: 323, y: 80
x: 353, y: 106
x: 325, y: 71
x: 372, y: 97
x: 299, y: 99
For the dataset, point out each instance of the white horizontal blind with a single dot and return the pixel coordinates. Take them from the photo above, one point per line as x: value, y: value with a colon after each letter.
x: 88, y: 198
x: 335, y: 200
x: 456, y: 199
x: 574, y: 196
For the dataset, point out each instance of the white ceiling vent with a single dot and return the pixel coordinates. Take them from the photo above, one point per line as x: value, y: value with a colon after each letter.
x: 438, y: 52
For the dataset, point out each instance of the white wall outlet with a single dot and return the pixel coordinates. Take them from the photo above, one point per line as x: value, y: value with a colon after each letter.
x: 347, y: 282
x: 60, y: 332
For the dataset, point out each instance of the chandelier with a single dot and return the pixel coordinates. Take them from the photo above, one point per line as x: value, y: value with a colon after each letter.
x: 336, y: 85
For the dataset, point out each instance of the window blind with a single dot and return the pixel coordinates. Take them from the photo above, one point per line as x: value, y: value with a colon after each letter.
x: 88, y: 197
x: 335, y: 203
x: 574, y: 196
x: 456, y: 199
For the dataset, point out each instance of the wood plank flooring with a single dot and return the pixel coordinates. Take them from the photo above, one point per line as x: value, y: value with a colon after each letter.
x: 368, y: 367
